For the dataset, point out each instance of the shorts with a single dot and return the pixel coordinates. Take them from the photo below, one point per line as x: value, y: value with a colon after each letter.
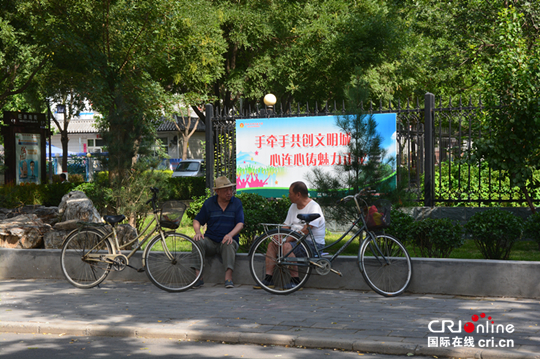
x: 300, y: 252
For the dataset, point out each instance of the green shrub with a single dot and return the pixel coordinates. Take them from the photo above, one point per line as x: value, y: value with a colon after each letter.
x: 196, y: 205
x: 76, y: 178
x: 257, y: 209
x: 186, y: 187
x: 99, y: 193
x: 453, y: 182
x: 532, y: 228
x: 33, y: 194
x: 53, y: 193
x: 435, y: 238
x: 130, y: 194
x: 400, y: 225
x: 127, y: 195
x: 494, y: 232
x: 9, y: 196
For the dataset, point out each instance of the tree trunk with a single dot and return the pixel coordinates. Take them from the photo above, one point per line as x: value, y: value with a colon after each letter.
x: 185, y: 142
x: 136, y: 146
x: 529, y: 200
x: 65, y: 140
x: 133, y: 220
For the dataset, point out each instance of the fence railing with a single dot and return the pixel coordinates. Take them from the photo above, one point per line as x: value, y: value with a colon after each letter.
x: 432, y: 141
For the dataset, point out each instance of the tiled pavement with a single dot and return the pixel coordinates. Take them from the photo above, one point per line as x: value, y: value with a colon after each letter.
x: 316, y: 318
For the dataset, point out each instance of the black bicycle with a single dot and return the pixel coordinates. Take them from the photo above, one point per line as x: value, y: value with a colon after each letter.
x: 287, y: 256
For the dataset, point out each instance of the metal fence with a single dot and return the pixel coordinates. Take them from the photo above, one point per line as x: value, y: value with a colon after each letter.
x: 432, y: 142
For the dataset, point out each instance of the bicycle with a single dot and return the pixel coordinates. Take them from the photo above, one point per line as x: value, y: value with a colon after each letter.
x: 172, y: 261
x: 383, y: 261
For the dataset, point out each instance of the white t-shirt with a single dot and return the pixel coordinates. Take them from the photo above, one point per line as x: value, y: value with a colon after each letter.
x: 318, y: 224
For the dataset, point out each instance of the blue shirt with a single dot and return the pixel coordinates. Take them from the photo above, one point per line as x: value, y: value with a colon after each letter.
x: 220, y: 222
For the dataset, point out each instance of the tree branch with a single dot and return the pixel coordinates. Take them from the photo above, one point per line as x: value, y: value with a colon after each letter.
x: 202, y: 117
x: 128, y: 53
x: 21, y: 89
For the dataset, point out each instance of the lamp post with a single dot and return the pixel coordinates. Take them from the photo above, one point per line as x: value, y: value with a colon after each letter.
x: 270, y: 100
x: 89, y: 167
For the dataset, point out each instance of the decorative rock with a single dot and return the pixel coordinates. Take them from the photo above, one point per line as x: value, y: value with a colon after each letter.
x: 75, y: 205
x: 3, y: 213
x: 24, y: 231
x: 54, y: 239
x: 48, y: 215
x: 125, y: 233
x: 67, y: 225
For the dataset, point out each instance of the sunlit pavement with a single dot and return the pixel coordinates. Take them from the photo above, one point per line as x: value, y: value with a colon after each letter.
x: 313, y: 318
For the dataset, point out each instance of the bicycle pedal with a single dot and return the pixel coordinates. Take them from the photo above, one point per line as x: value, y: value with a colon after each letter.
x: 336, y: 272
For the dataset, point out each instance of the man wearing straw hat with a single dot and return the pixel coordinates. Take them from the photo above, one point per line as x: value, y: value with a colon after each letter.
x: 223, y: 215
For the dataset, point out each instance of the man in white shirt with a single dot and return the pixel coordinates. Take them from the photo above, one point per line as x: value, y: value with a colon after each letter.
x: 301, y: 204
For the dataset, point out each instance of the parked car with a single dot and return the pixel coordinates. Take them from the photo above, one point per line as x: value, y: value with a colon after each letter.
x: 190, y: 168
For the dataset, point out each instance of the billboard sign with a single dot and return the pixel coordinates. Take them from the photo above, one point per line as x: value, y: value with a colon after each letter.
x: 28, y: 153
x: 273, y: 153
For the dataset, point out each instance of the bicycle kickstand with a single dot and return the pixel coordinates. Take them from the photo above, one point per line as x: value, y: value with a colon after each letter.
x: 139, y: 270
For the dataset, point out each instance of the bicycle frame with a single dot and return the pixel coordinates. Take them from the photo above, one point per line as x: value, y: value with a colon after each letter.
x: 303, y: 240
x: 117, y: 248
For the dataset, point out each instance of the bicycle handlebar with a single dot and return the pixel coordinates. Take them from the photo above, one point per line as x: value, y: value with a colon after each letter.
x: 357, y: 196
x: 363, y: 192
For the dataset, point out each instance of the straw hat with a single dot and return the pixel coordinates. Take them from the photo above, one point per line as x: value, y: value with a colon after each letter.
x: 223, y: 182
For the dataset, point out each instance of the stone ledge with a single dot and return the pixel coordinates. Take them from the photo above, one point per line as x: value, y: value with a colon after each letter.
x: 474, y: 277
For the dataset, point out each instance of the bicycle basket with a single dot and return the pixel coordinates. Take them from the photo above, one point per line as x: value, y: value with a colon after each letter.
x: 171, y: 214
x: 378, y: 215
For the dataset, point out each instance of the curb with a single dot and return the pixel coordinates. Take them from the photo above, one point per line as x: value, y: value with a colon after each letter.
x: 371, y: 346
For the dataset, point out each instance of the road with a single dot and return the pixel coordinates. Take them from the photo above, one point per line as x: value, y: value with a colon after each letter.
x: 47, y: 346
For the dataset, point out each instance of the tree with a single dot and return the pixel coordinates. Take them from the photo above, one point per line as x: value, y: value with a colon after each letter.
x: 508, y: 71
x: 64, y: 88
x: 366, y: 164
x: 181, y: 118
x: 300, y: 50
x: 133, y: 55
x: 21, y: 58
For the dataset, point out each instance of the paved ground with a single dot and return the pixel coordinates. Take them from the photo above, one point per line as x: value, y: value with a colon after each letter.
x: 56, y: 346
x: 313, y: 318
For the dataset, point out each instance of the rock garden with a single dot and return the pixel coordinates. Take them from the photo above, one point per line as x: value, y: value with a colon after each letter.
x: 46, y: 227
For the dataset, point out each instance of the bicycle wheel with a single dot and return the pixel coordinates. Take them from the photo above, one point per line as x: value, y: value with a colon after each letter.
x: 79, y: 269
x: 176, y: 267
x: 385, y: 265
x: 267, y: 254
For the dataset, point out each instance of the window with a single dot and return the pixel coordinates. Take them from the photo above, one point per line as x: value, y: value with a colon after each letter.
x: 95, y: 145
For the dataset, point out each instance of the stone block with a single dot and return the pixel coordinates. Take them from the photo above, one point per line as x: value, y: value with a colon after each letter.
x: 54, y: 239
x: 75, y: 205
x: 67, y: 225
x: 25, y: 231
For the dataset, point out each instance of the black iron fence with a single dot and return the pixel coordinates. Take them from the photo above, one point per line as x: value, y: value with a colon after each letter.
x: 432, y: 141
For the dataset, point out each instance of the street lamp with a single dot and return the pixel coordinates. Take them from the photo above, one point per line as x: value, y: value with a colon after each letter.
x: 270, y: 100
x: 61, y: 109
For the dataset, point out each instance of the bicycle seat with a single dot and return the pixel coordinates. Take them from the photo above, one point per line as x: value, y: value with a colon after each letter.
x: 112, y: 220
x: 308, y: 217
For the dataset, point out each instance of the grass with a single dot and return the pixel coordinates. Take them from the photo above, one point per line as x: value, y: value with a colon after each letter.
x: 521, y: 251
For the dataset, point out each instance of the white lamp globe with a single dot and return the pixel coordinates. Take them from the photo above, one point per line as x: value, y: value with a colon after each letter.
x: 270, y: 100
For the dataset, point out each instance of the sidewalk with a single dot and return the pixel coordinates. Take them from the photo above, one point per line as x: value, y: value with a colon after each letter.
x: 314, y: 318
